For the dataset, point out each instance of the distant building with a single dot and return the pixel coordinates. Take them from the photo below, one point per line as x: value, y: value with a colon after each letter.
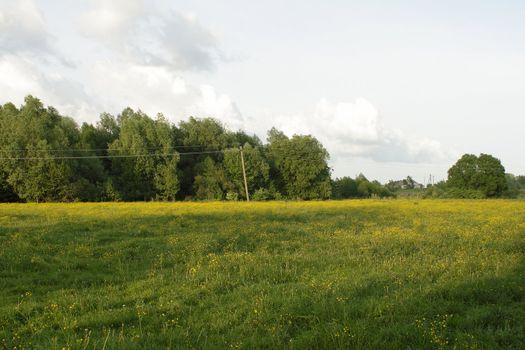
x: 405, y: 184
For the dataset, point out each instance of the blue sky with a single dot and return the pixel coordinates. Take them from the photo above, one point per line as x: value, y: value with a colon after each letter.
x: 391, y: 88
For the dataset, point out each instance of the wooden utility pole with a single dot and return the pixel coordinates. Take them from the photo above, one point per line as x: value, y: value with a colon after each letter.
x: 244, y: 175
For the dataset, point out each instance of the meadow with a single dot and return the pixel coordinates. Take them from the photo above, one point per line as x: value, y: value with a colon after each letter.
x: 361, y: 274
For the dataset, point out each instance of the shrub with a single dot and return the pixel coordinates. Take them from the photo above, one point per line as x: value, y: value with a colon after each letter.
x: 232, y: 196
x: 261, y: 194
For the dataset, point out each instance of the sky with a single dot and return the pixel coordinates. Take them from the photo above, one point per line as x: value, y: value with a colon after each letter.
x: 390, y: 88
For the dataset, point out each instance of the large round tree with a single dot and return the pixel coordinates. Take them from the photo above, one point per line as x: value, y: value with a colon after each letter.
x: 484, y: 173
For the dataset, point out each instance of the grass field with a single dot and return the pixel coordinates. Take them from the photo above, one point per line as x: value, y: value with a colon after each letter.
x: 355, y: 274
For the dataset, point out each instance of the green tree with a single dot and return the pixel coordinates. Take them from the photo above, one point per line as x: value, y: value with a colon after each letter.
x: 144, y: 166
x: 93, y: 170
x: 7, y: 194
x: 299, y: 165
x: 344, y: 187
x: 484, y: 173
x: 240, y: 138
x: 521, y: 180
x: 257, y: 170
x: 199, y: 135
x: 45, y: 156
x: 209, y: 183
x: 363, y: 189
x: 37, y: 139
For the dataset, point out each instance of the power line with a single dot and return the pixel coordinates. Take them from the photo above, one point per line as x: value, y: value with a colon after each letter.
x: 146, y: 149
x: 172, y: 147
x: 114, y: 156
x: 143, y: 155
x: 253, y: 150
x: 308, y: 156
x: 102, y: 149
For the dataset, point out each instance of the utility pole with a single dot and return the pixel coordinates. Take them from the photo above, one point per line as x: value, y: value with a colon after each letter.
x: 244, y: 175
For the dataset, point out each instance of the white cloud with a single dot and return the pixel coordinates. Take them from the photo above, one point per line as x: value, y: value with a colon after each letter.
x: 23, y: 31
x: 22, y: 77
x: 357, y: 121
x: 152, y: 89
x: 350, y: 129
x: 111, y: 20
x: 143, y: 34
x: 111, y: 87
x: 116, y: 85
x: 220, y: 107
x: 12, y: 12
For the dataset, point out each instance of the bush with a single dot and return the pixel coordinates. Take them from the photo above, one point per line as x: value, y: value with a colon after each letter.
x: 110, y: 192
x: 232, y: 196
x: 464, y: 194
x: 261, y: 194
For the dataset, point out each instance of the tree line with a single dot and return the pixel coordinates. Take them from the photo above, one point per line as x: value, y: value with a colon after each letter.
x: 474, y: 177
x: 45, y: 156
x: 48, y: 157
x: 478, y: 177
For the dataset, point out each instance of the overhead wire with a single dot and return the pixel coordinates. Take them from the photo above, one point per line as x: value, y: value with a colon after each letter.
x: 110, y: 156
x: 114, y: 156
x: 100, y: 149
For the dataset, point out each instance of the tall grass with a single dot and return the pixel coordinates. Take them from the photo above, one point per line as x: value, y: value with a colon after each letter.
x: 353, y: 274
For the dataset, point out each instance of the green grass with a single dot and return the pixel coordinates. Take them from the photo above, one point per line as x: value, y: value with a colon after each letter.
x: 355, y: 274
